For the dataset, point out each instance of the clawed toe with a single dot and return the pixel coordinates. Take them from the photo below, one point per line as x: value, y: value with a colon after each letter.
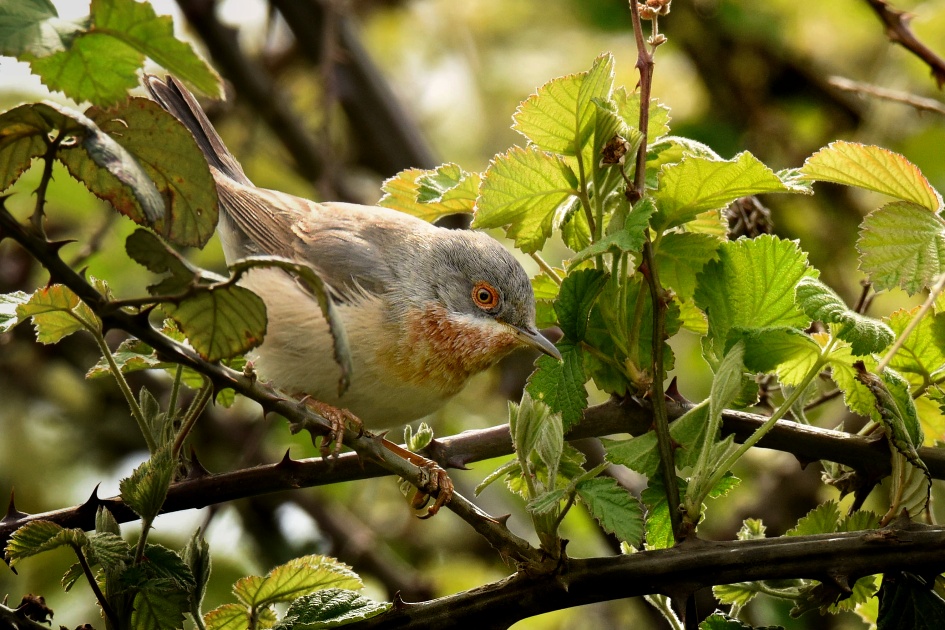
x: 339, y: 419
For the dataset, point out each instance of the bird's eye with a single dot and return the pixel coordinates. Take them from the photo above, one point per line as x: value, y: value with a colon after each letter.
x: 485, y: 296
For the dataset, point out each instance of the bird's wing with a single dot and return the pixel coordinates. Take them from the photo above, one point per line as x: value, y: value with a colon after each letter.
x: 345, y: 243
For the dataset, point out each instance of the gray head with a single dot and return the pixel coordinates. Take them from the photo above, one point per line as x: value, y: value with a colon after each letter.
x: 477, y: 277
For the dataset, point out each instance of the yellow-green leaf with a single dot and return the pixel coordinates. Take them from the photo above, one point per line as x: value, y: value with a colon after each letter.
x: 873, y: 168
x: 296, y: 578
x: 57, y: 312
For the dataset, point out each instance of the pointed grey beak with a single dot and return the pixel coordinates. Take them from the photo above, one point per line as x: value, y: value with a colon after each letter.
x: 535, y: 339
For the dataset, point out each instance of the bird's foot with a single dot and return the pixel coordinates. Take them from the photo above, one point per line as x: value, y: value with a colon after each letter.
x: 339, y: 419
x: 434, y: 482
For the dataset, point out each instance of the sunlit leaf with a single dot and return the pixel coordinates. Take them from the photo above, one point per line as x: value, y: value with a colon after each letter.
x: 560, y: 384
x: 58, y: 312
x: 617, y: 511
x: 34, y: 28
x: 298, y: 577
x: 872, y: 168
x: 431, y: 194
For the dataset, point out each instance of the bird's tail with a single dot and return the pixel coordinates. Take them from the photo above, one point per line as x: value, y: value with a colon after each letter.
x: 177, y: 100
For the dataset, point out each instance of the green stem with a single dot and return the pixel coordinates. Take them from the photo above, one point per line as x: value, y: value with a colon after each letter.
x: 126, y: 391
x: 142, y: 540
x: 548, y: 269
x: 190, y: 419
x: 770, y: 422
x: 175, y: 390
x: 99, y: 595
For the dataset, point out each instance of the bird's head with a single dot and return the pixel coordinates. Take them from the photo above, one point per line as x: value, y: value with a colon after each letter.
x: 477, y: 278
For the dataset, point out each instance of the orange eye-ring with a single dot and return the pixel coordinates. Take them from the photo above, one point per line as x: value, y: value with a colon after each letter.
x: 485, y: 296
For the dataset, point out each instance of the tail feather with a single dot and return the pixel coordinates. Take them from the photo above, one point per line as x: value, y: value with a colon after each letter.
x: 177, y: 100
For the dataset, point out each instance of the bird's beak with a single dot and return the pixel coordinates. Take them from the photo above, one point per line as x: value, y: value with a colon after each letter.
x: 535, y: 339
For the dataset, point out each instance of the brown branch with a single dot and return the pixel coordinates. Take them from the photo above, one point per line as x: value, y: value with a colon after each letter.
x: 898, y: 32
x: 837, y: 559
x: 896, y: 96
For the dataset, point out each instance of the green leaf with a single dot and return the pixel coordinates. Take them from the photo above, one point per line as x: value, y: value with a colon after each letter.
x: 136, y: 24
x: 431, y: 194
x: 560, y: 384
x: 145, y: 248
x: 872, y: 168
x: 298, y: 577
x: 221, y: 323
x: 528, y: 192
x: 38, y: 536
x: 896, y: 411
x: 145, y: 489
x: 751, y: 287
x: 931, y: 417
x: 535, y: 429
x: 659, y: 529
x: 865, y: 334
x: 697, y: 184
x: 91, y: 155
x: 547, y: 502
x: 227, y: 617
x: 545, y: 290
x: 623, y: 235
x: 617, y: 511
x: 823, y: 519
x: 902, y: 244
x: 165, y: 564
x: 57, y: 312
x: 856, y: 395
x: 34, y: 28
x: 329, y: 609
x: 641, y: 453
x: 109, y: 550
x: 8, y: 305
x: 157, y: 607
x: 739, y: 594
x: 172, y: 160
x: 787, y: 351
x: 923, y: 352
x: 577, y: 296
x: 907, y: 602
x: 560, y: 116
x: 105, y: 521
x: 681, y: 256
x: 628, y: 105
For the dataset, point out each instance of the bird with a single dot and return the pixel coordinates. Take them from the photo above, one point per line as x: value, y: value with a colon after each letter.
x: 424, y: 307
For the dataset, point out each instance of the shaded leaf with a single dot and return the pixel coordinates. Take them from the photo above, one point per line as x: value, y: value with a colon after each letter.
x: 57, y: 312
x: 617, y: 511
x: 38, y: 536
x: 329, y: 609
x: 865, y: 334
x: 159, y: 608
x: 34, y: 28
x: 902, y: 244
x: 907, y: 602
x: 577, y: 296
x: 145, y: 489
x: 561, y: 384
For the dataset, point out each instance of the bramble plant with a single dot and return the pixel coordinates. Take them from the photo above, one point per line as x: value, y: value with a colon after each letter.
x: 642, y: 213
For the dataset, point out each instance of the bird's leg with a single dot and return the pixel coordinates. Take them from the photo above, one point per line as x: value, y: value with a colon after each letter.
x: 434, y: 482
x: 338, y: 418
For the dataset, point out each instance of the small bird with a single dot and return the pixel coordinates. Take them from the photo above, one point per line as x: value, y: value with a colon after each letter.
x: 424, y: 308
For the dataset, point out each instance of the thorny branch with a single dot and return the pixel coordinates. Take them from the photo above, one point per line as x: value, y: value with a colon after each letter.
x: 898, y: 32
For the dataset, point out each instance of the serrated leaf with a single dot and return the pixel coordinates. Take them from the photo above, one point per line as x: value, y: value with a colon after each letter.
x: 157, y: 608
x: 902, y: 244
x: 628, y: 237
x: 865, y: 334
x: 931, y: 419
x: 329, y: 609
x: 547, y: 502
x: 166, y: 564
x: 923, y: 351
x: 696, y: 185
x: 659, y: 529
x: 431, y: 194
x: 856, y: 395
x: 172, y: 160
x: 227, y: 617
x: 57, y: 312
x: 896, y: 411
x: 751, y: 287
x: 641, y: 453
x: 221, y: 323
x: 858, y: 521
x: 617, y: 511
x: 829, y: 599
x: 196, y: 556
x: 109, y: 550
x: 681, y: 256
x: 561, y: 384
x: 91, y: 155
x: 146, y: 249
x: 38, y: 536
x: 873, y: 168
x: 145, y: 489
x: 528, y: 192
x: 577, y: 296
x: 545, y: 290
x: 739, y: 594
x: 535, y: 429
x: 105, y: 522
x: 34, y: 28
x: 823, y: 519
x: 721, y: 621
x: 628, y: 105
x: 560, y: 116
x: 298, y: 577
x: 907, y: 602
x: 787, y: 351
x: 8, y: 305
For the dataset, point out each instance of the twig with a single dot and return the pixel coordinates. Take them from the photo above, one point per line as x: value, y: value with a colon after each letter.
x: 929, y: 301
x: 898, y: 32
x: 548, y: 269
x: 866, y: 89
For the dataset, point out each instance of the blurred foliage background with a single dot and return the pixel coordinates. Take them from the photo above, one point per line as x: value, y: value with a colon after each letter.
x: 737, y: 75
